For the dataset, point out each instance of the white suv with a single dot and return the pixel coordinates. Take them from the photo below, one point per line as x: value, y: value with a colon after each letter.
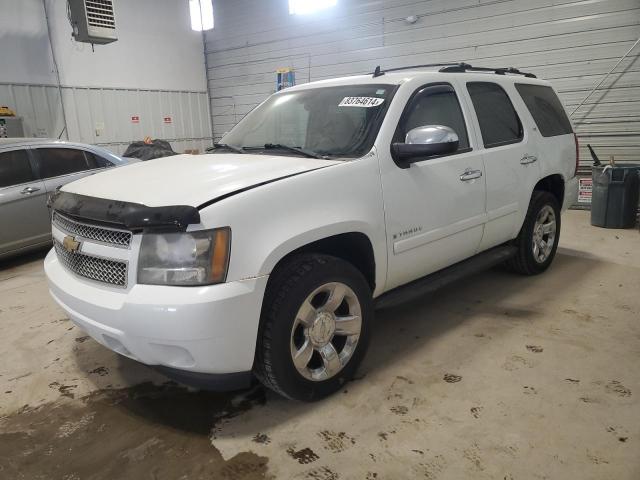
x: 267, y: 256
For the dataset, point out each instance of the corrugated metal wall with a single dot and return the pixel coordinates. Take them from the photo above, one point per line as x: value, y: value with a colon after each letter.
x: 572, y: 43
x: 102, y: 116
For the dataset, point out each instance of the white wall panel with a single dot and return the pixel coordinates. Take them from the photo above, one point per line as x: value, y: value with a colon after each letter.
x: 573, y: 43
x: 155, y: 69
x: 110, y: 110
x: 156, y: 47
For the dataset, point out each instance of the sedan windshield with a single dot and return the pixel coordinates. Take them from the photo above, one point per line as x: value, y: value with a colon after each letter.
x: 325, y: 122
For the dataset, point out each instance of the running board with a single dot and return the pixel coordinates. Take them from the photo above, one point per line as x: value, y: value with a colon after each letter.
x: 439, y: 279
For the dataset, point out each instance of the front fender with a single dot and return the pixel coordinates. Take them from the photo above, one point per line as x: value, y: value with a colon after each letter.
x: 310, y: 236
x: 271, y: 221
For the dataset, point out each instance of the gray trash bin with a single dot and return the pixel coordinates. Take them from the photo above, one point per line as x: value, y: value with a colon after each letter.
x: 614, y: 201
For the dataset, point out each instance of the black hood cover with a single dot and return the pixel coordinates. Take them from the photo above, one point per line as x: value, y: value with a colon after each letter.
x: 132, y: 216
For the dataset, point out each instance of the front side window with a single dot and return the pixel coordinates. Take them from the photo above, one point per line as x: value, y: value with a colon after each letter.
x: 546, y: 109
x: 54, y: 162
x: 499, y: 122
x: 15, y: 168
x: 434, y: 105
x: 331, y: 121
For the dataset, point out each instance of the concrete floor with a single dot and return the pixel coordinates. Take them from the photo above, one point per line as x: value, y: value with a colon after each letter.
x: 496, y: 377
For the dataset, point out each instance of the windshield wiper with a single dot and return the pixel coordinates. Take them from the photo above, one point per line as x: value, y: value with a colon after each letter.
x: 226, y: 146
x: 301, y: 151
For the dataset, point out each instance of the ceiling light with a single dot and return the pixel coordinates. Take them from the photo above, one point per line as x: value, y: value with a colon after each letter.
x: 201, y: 15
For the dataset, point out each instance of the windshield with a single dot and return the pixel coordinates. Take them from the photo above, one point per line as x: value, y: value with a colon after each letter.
x: 331, y: 121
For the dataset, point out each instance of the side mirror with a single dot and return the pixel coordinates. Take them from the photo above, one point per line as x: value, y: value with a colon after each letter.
x: 423, y: 142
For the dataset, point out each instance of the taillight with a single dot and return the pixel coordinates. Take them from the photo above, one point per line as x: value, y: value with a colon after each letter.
x: 575, y: 137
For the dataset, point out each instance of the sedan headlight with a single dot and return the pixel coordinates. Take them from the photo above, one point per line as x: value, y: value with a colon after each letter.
x: 185, y: 258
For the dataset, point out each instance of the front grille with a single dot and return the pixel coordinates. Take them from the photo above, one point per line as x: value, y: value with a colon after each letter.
x: 105, y: 270
x: 109, y: 236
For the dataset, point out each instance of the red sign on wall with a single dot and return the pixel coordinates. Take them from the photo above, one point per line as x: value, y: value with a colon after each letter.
x: 585, y: 189
x: 168, y: 120
x: 135, y: 119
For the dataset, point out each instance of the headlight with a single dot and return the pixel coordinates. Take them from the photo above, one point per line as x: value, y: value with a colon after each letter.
x: 185, y: 258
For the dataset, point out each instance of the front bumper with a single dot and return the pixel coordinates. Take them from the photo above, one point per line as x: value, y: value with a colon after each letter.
x: 210, y: 329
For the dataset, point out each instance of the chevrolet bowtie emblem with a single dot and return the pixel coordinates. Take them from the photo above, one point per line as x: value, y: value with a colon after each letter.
x: 70, y: 244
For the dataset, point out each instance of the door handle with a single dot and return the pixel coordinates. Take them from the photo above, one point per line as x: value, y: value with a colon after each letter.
x: 29, y: 190
x: 470, y: 175
x: 527, y: 159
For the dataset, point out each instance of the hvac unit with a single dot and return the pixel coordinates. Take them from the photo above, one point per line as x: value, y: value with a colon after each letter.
x: 93, y: 21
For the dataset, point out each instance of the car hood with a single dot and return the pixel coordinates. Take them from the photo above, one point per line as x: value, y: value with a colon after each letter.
x: 190, y: 179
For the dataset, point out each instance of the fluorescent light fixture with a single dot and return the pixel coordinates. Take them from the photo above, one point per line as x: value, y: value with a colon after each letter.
x: 201, y: 14
x: 302, y: 7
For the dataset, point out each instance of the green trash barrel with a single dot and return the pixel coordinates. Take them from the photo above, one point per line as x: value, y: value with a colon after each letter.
x: 614, y: 199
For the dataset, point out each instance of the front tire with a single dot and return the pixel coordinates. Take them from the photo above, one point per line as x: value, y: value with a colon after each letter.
x: 538, y: 239
x: 314, y: 327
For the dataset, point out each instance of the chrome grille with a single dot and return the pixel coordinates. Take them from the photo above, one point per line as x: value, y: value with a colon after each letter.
x: 109, y: 236
x: 104, y: 270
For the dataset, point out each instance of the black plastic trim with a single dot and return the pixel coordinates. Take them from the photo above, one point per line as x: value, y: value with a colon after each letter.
x: 435, y: 281
x: 405, y: 165
x: 132, y: 216
x: 465, y: 67
x: 378, y: 72
x: 502, y: 144
x: 216, y: 382
x: 457, y: 67
x: 412, y: 153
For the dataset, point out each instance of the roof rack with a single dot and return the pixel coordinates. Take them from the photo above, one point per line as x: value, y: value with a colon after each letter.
x: 378, y: 72
x: 455, y: 67
x: 465, y: 67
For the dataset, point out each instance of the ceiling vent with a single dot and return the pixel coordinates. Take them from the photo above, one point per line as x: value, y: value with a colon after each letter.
x: 93, y: 21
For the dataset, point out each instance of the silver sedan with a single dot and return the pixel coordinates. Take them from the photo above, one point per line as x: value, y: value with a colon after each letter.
x: 30, y: 170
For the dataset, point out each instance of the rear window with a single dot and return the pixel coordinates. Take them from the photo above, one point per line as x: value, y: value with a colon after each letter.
x: 499, y: 122
x: 14, y: 168
x: 96, y: 161
x: 546, y: 109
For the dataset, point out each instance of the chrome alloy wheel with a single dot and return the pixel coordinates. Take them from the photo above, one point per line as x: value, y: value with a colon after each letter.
x: 326, y: 331
x: 544, y: 234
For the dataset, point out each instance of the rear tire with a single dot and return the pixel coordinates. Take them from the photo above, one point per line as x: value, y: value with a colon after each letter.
x: 314, y: 327
x: 538, y: 239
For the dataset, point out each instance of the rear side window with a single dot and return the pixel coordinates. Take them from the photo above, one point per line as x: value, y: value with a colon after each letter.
x: 15, y: 168
x: 499, y: 122
x: 54, y: 162
x: 546, y: 109
x: 96, y: 161
x: 435, y: 105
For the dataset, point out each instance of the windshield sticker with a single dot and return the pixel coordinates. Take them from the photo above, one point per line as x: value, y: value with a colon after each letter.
x: 380, y: 92
x: 361, y: 102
